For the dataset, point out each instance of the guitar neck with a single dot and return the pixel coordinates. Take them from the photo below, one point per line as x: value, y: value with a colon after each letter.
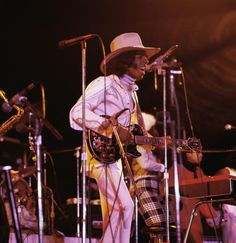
x: 144, y: 140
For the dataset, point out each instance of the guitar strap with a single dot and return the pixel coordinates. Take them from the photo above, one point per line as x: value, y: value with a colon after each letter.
x: 139, y: 115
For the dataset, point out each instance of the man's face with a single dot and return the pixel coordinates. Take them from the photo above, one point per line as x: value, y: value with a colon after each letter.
x: 137, y: 70
x: 194, y: 157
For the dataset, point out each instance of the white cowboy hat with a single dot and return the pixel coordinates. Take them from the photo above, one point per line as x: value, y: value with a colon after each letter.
x: 124, y: 43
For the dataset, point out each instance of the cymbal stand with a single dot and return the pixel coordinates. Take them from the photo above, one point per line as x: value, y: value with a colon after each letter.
x: 35, y: 145
x: 16, y: 223
x: 31, y: 142
x: 49, y: 213
x: 51, y: 216
x: 39, y: 122
x: 38, y: 143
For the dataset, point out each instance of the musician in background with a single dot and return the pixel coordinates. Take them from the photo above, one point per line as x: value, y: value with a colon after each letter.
x: 109, y: 100
x: 148, y: 175
x: 228, y: 224
x: 190, y: 169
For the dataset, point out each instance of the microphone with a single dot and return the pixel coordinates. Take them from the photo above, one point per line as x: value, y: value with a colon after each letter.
x: 19, y: 98
x: 75, y: 40
x: 229, y: 127
x: 158, y: 63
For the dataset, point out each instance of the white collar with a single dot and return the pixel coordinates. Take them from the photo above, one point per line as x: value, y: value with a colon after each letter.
x: 129, y: 83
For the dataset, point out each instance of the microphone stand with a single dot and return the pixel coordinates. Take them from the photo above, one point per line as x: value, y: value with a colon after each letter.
x: 83, y: 154
x: 166, y: 176
x: 162, y: 71
x: 174, y: 103
x: 77, y: 155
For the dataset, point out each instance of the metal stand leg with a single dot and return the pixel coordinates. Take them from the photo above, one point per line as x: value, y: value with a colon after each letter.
x: 15, y: 217
x: 77, y: 154
x: 196, y: 205
x: 191, y: 220
x: 136, y: 219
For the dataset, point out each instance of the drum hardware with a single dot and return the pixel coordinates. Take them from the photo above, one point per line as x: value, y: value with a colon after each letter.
x: 67, y: 222
x: 65, y: 150
x: 25, y: 203
x: 16, y: 224
x: 12, y: 140
x: 26, y: 172
x: 97, y: 224
x: 73, y: 201
x: 38, y: 122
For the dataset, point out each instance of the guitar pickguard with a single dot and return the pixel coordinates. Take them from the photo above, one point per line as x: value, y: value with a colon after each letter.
x: 107, y: 150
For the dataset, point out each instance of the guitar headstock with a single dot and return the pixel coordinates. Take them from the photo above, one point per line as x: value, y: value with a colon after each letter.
x: 189, y: 145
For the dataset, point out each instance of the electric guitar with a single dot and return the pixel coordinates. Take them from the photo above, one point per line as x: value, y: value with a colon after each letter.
x: 106, y: 149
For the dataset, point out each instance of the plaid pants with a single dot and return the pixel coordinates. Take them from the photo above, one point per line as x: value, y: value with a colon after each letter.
x: 151, y: 203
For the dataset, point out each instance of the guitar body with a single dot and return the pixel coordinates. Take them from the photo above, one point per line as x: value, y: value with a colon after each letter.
x: 106, y: 149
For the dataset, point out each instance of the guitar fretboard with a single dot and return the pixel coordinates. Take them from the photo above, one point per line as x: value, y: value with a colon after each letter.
x: 148, y: 140
x: 190, y: 145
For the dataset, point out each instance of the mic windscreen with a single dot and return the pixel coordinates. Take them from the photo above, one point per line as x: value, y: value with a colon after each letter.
x: 61, y: 44
x: 228, y: 127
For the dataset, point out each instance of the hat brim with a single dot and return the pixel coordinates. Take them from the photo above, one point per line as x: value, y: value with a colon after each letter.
x: 149, y: 51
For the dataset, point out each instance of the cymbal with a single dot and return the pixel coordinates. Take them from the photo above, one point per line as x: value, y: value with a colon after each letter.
x: 22, y: 125
x: 28, y: 171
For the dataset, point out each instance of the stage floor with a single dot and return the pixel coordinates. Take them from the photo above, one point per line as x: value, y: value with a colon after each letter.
x: 33, y: 238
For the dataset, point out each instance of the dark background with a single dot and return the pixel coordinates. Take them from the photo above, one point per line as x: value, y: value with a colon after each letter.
x: 204, y: 30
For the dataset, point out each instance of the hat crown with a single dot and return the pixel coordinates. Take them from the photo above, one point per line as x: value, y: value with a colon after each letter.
x: 125, y: 43
x: 126, y: 40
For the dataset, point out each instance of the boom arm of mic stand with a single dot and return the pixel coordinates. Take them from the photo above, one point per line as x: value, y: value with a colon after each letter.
x: 45, y: 122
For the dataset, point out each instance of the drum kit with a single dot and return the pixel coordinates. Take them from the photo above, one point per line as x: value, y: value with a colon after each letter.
x: 24, y: 198
x: 19, y: 184
x: 24, y: 193
x: 23, y: 180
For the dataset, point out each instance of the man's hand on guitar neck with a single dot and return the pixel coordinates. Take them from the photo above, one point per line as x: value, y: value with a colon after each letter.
x: 160, y: 145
